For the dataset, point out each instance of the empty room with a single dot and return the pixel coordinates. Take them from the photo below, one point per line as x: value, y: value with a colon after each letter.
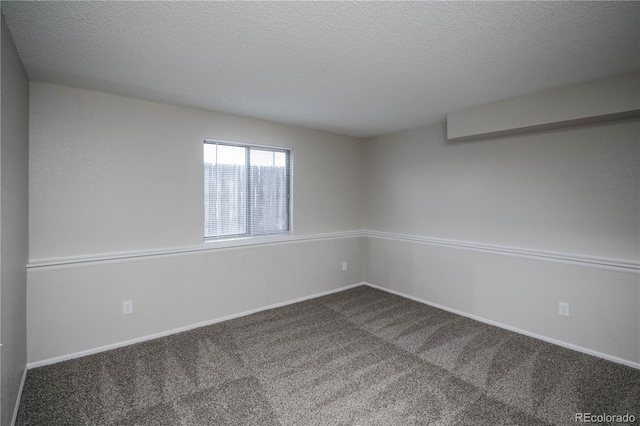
x: 320, y: 213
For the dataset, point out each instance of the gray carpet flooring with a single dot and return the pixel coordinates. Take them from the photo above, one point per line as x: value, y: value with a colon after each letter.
x: 358, y: 357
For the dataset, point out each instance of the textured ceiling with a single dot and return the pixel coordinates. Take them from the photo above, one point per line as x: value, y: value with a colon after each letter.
x: 356, y: 68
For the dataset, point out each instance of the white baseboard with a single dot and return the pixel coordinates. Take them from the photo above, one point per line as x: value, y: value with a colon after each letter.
x: 514, y: 329
x: 181, y: 329
x: 19, y: 397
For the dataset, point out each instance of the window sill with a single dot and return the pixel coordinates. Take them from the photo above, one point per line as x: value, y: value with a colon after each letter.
x: 248, y: 241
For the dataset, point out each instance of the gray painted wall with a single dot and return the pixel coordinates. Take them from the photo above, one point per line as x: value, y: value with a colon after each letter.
x: 575, y: 191
x: 14, y: 238
x: 571, y: 190
x: 115, y: 174
x: 597, y: 101
x: 112, y: 174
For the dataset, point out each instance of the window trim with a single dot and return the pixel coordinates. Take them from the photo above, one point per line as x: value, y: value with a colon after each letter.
x: 240, y: 238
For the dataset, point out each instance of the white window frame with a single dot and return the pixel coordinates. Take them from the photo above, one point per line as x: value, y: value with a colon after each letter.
x: 289, y: 186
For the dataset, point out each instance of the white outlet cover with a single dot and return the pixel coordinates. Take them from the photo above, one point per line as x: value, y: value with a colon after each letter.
x: 563, y: 309
x: 127, y: 307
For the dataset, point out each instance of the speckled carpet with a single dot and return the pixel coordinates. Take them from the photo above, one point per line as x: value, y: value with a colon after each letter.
x: 361, y: 356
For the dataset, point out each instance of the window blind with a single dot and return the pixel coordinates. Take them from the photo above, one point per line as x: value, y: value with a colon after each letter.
x: 246, y: 190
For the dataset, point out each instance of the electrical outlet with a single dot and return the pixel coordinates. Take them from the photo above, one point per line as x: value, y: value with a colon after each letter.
x: 563, y: 309
x: 344, y: 266
x: 127, y: 307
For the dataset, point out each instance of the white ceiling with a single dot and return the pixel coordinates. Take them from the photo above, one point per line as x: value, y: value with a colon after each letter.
x: 356, y: 68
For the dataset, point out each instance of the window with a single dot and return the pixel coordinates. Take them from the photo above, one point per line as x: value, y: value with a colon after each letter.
x: 247, y: 190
